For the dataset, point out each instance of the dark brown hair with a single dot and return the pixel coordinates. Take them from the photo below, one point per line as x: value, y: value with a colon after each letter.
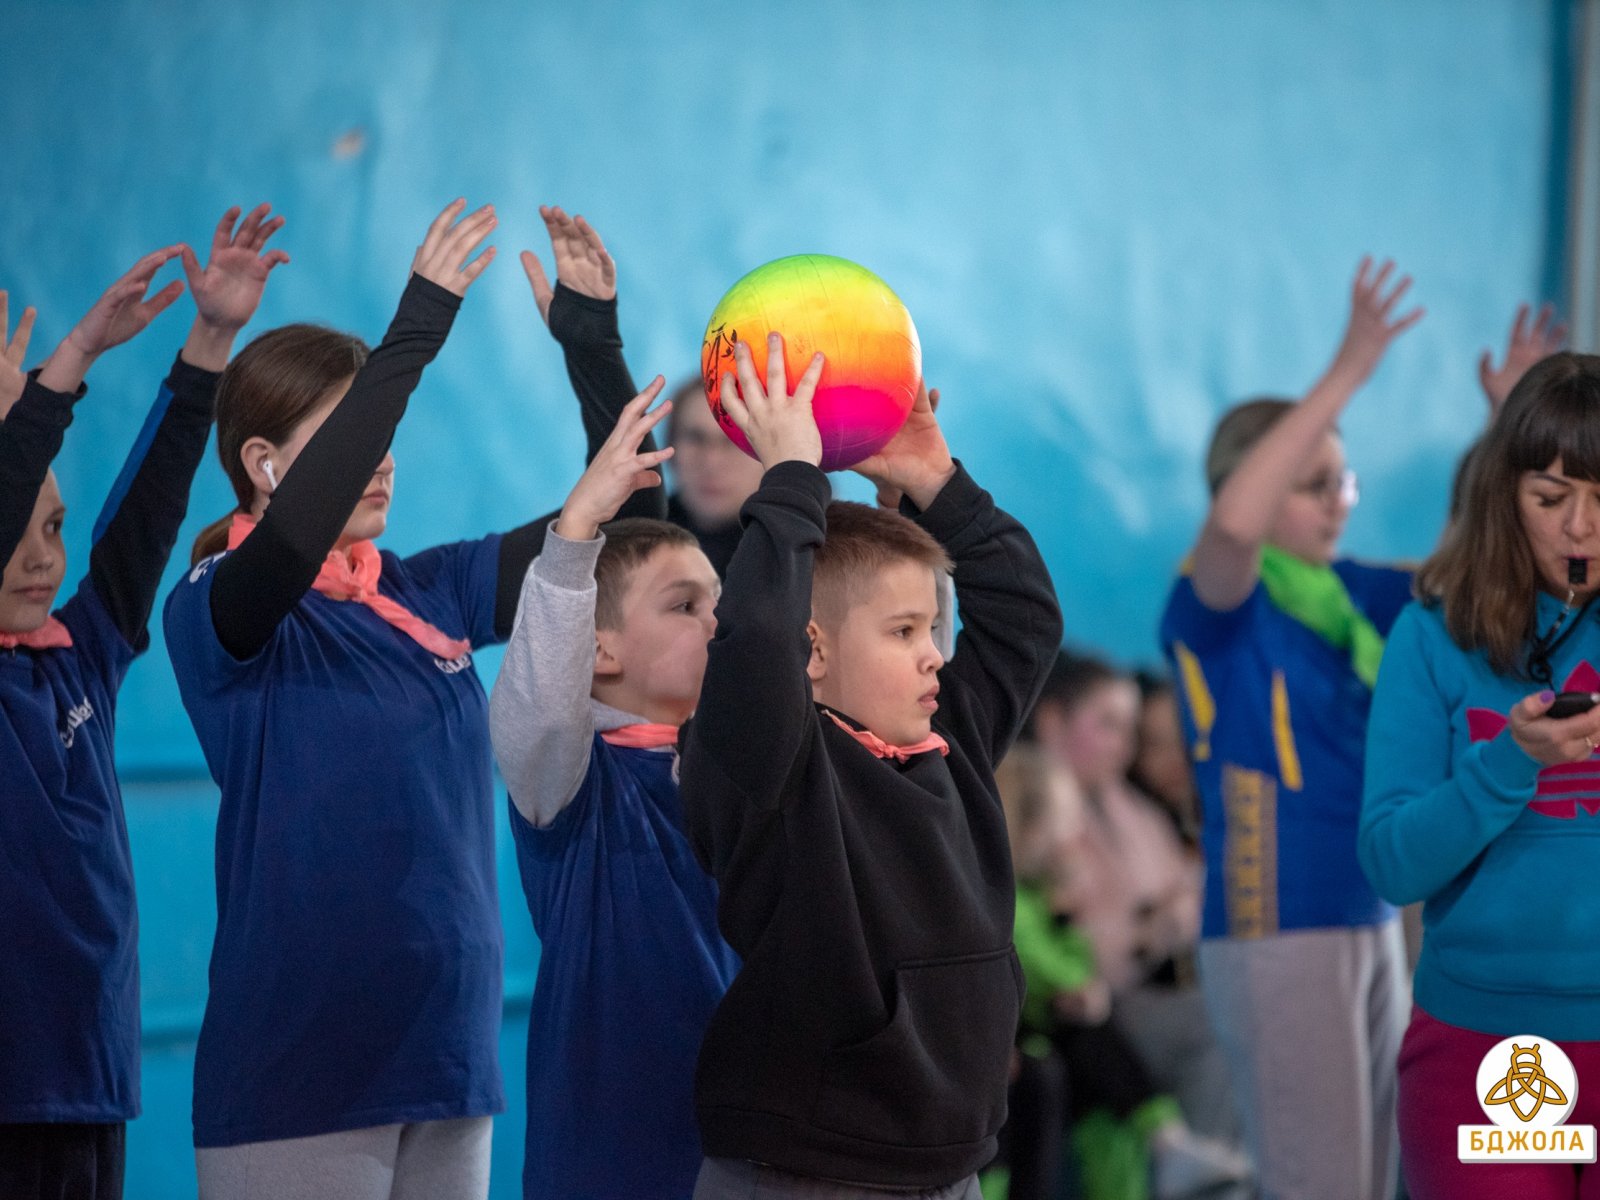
x: 1483, y: 575
x: 272, y: 385
x: 629, y: 542
x: 1072, y: 677
x: 1240, y: 428
x: 860, y: 542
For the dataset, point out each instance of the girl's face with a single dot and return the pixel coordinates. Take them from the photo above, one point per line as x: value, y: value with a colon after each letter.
x: 1312, y: 518
x: 1098, y: 733
x: 1162, y: 762
x: 33, y: 576
x: 1561, y: 518
x: 371, y: 514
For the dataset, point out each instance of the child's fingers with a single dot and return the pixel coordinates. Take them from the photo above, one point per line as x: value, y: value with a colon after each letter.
x: 477, y: 266
x: 1407, y: 321
x: 1557, y: 338
x: 251, y: 225
x: 652, y: 458
x: 1393, y: 298
x: 537, y: 279
x: 441, y: 223
x: 275, y: 258
x: 933, y: 400
x: 733, y: 404
x: 147, y: 266
x: 154, y: 306
x: 1378, y: 280
x: 1519, y: 327
x: 745, y: 368
x: 191, y: 265
x: 807, y: 386
x: 1360, y: 284
x: 5, y: 313
x: 468, y: 232
x: 17, y: 351
x: 777, y: 371
x: 267, y: 230
x: 222, y: 236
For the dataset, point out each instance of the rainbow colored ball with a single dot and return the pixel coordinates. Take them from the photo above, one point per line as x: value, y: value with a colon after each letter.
x: 873, y: 360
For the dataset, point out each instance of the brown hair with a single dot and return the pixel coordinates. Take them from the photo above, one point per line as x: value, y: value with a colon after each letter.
x: 691, y: 391
x: 860, y: 542
x: 629, y: 542
x: 1553, y: 412
x: 271, y: 386
x: 1240, y: 428
x: 1071, y: 678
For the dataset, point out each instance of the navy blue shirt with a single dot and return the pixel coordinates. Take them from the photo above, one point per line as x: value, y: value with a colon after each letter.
x: 69, y: 971
x: 356, y: 973
x: 631, y: 969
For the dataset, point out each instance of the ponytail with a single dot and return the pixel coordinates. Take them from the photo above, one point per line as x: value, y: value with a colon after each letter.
x: 213, y: 539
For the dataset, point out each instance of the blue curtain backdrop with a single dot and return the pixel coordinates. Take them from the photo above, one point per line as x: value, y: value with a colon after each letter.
x: 1109, y: 221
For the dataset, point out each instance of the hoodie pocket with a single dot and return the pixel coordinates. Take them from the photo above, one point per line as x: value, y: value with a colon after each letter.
x: 936, y: 1074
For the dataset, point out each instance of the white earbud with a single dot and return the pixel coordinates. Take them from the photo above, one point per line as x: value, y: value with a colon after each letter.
x: 272, y: 477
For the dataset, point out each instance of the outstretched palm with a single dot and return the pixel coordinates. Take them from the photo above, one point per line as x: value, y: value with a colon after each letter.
x: 228, y: 291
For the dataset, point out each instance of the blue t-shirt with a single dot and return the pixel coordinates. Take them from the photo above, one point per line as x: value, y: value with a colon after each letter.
x: 356, y: 972
x: 1276, y: 720
x: 631, y: 968
x: 1502, y: 850
x: 69, y: 971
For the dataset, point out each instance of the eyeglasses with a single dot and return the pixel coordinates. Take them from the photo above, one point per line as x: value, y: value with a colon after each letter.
x: 1342, y: 488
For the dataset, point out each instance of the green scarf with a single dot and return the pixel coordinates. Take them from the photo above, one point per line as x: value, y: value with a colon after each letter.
x: 1317, y: 598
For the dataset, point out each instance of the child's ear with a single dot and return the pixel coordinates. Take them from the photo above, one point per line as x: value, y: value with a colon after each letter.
x: 817, y: 664
x: 606, y: 663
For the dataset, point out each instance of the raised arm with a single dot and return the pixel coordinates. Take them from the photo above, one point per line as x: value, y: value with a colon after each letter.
x: 36, y: 423
x: 539, y: 714
x: 1010, y: 619
x: 1525, y: 345
x: 581, y: 312
x: 139, y: 524
x: 756, y: 664
x: 258, y: 584
x: 1227, y: 555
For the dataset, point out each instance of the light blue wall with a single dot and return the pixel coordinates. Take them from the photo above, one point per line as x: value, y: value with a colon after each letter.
x: 1109, y: 220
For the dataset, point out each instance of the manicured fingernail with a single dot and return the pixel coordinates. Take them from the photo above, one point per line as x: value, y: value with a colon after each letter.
x: 1546, y: 697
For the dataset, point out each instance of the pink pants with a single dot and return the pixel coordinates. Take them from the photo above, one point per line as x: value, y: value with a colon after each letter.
x: 1438, y: 1085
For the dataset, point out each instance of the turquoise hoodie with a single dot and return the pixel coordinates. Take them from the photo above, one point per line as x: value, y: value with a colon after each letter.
x: 1505, y: 854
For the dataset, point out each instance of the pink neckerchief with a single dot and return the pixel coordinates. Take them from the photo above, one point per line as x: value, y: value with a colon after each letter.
x: 641, y: 737
x: 52, y: 635
x: 879, y: 748
x: 354, y: 576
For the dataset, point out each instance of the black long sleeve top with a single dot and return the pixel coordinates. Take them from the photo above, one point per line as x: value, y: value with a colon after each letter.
x: 867, y: 1037
x: 261, y: 582
x: 139, y: 524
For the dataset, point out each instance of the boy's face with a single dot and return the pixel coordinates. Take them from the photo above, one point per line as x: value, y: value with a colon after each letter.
x: 1312, y: 518
x: 879, y: 664
x: 653, y: 663
x: 714, y: 477
x: 33, y: 576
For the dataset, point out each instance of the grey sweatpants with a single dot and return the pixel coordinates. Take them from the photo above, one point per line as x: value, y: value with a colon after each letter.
x: 735, y: 1179
x: 1311, y: 1023
x: 427, y: 1160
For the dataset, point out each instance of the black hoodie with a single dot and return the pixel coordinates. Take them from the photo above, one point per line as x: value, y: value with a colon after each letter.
x: 867, y: 1038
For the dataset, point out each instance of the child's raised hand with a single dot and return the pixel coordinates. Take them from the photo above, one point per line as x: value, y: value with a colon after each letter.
x: 916, y: 462
x: 1372, y: 322
x: 119, y: 314
x: 618, y: 469
x: 451, y: 240
x: 778, y: 423
x: 1524, y: 347
x: 580, y: 257
x: 228, y: 290
x: 13, y: 352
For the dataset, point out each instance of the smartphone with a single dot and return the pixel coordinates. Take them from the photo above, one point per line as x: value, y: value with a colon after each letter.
x: 1570, y: 704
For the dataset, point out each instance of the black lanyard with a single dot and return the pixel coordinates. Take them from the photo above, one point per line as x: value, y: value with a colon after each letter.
x: 1543, y: 648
